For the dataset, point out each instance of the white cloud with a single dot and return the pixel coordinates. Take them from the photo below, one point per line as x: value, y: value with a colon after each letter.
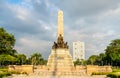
x: 113, y: 13
x: 38, y: 1
x: 34, y: 23
x: 20, y: 12
x: 45, y: 25
x: 29, y: 45
x: 102, y: 36
x: 80, y: 22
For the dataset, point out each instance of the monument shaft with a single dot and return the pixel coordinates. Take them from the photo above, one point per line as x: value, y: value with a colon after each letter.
x: 60, y: 59
x: 60, y: 24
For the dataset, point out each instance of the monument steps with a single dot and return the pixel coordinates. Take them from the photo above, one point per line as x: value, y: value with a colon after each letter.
x: 51, y: 73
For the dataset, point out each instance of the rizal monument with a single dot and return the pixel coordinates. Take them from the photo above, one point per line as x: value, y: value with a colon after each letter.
x: 60, y: 62
x: 60, y: 58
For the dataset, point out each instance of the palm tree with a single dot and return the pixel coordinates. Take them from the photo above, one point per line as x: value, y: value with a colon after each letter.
x: 36, y: 59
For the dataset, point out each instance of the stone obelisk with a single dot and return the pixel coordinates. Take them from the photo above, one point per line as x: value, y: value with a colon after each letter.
x: 60, y: 24
x: 60, y: 59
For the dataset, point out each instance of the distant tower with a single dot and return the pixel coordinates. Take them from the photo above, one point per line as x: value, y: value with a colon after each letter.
x: 60, y: 23
x: 78, y: 50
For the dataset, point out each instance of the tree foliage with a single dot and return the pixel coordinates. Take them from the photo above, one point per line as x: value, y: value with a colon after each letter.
x: 93, y: 59
x: 7, y: 42
x: 7, y: 51
x: 110, y: 57
x: 79, y: 62
x: 113, y: 52
x: 37, y: 59
x: 8, y: 55
x: 7, y: 59
x: 21, y: 59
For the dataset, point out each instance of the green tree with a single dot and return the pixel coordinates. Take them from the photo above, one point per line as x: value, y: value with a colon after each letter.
x: 79, y: 62
x: 6, y: 59
x: 93, y: 59
x: 21, y: 59
x: 7, y: 51
x: 7, y: 42
x: 102, y: 58
x: 113, y: 52
x: 37, y: 59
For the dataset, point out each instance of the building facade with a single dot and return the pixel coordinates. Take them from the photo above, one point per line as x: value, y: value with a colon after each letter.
x: 78, y: 50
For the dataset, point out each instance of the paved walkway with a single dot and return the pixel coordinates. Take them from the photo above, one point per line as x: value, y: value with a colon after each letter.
x: 36, y: 76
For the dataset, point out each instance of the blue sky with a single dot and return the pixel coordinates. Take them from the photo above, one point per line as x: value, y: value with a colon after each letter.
x: 14, y: 1
x: 34, y: 23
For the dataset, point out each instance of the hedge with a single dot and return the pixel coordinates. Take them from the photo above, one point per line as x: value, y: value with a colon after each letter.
x: 100, y: 73
x: 114, y: 75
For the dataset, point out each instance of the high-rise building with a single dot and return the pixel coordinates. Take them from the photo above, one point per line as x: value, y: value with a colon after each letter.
x: 78, y: 50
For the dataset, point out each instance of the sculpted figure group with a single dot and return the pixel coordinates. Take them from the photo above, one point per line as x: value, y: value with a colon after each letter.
x: 60, y: 43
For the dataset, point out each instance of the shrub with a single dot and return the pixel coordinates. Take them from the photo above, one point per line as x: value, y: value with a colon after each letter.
x: 4, y: 74
x: 24, y: 73
x: 15, y: 72
x: 116, y: 70
x: 4, y: 70
x: 100, y: 73
x: 114, y: 75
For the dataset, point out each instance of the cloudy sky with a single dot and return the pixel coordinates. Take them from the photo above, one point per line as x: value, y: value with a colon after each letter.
x: 34, y: 23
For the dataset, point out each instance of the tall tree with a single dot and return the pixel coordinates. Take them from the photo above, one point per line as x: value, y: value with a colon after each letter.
x: 37, y: 59
x: 6, y: 59
x: 93, y: 59
x: 113, y: 52
x: 79, y: 62
x: 7, y: 42
x: 21, y: 59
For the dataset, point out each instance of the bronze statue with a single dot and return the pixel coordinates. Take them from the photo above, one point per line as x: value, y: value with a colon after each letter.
x: 60, y: 43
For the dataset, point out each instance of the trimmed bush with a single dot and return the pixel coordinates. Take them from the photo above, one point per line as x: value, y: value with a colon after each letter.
x: 4, y: 74
x: 116, y: 70
x: 15, y: 72
x: 114, y: 75
x: 24, y: 73
x: 100, y: 73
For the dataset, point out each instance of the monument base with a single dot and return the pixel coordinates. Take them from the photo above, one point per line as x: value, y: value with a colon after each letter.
x: 60, y: 60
